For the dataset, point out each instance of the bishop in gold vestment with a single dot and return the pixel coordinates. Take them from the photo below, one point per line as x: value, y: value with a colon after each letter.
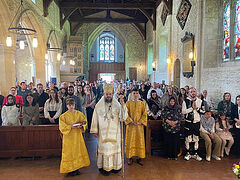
x: 74, y: 152
x: 137, y: 119
x: 106, y: 127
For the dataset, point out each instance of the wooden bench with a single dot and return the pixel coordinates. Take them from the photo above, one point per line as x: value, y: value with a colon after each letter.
x: 156, y: 125
x: 30, y: 141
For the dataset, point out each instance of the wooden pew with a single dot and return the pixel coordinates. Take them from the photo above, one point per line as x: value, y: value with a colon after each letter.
x: 155, y: 125
x: 30, y: 141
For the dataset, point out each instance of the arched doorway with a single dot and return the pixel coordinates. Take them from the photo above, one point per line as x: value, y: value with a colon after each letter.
x: 177, y: 72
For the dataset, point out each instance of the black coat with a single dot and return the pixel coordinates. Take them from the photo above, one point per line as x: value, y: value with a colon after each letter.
x: 1, y: 103
x: 235, y: 113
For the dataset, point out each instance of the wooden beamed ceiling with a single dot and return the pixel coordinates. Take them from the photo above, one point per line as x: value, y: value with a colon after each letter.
x: 136, y: 12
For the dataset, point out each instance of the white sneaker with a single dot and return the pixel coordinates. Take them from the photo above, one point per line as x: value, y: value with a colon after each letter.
x: 217, y: 158
x: 208, y: 158
x: 197, y: 157
x: 227, y: 151
x: 187, y: 156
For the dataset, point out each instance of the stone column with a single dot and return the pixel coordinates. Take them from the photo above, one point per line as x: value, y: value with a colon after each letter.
x: 57, y: 66
x: 40, y: 69
x: 155, y: 61
x: 7, y: 69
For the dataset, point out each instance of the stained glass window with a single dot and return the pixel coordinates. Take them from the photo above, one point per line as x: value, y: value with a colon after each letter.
x: 101, y: 51
x: 226, y: 36
x: 237, y: 31
x: 107, y: 49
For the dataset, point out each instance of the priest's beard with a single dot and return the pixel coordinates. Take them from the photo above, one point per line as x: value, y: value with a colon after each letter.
x: 108, y: 100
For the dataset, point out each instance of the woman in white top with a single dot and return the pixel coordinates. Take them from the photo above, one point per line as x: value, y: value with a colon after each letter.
x: 52, y: 108
x: 10, y: 113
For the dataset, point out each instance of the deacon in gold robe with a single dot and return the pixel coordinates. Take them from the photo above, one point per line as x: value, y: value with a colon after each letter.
x: 106, y: 127
x: 74, y: 153
x: 137, y: 119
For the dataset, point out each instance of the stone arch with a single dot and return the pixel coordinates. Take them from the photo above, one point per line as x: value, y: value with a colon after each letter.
x: 177, y: 72
x: 5, y: 19
x: 6, y: 53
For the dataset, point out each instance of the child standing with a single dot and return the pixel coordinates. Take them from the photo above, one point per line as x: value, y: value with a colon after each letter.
x: 222, y: 128
x: 74, y: 153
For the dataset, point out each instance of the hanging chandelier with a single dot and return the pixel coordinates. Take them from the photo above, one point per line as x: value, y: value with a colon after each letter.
x: 56, y: 48
x: 20, y: 29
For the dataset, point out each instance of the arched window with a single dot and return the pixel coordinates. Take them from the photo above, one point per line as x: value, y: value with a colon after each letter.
x: 226, y: 33
x: 237, y: 31
x: 231, y: 30
x: 107, y: 48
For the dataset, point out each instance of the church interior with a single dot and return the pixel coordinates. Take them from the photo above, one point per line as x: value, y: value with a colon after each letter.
x: 59, y: 44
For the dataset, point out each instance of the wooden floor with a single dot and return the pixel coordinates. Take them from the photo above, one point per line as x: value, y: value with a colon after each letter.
x: 154, y: 168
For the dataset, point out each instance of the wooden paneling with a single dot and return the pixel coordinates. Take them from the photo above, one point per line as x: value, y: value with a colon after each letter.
x: 30, y: 141
x: 155, y: 125
x: 133, y: 73
x: 99, y: 67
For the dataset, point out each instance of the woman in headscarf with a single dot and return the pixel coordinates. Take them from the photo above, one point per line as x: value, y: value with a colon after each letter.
x: 10, y: 112
x: 171, y: 115
x: 226, y: 106
x: 168, y: 94
x: 236, y: 125
x: 154, y: 106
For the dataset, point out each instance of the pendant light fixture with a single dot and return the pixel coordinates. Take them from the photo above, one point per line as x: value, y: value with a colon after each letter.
x: 17, y: 27
x: 35, y: 42
x: 55, y: 48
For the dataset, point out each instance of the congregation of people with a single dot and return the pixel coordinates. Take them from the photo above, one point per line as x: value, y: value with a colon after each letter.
x: 133, y: 102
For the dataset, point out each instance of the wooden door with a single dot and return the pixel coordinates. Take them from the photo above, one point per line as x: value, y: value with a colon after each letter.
x: 133, y: 73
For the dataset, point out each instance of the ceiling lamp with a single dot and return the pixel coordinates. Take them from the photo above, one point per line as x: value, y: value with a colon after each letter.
x: 56, y: 48
x: 49, y: 47
x: 9, y: 41
x: 16, y: 26
x: 46, y: 56
x: 19, y: 29
x: 58, y: 56
x: 21, y: 45
x: 168, y: 60
x: 35, y: 42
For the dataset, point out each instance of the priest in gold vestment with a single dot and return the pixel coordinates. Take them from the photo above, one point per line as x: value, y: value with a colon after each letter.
x: 137, y: 119
x: 106, y: 127
x: 74, y: 153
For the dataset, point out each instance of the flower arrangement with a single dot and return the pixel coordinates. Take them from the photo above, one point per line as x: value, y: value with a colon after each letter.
x: 236, y: 170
